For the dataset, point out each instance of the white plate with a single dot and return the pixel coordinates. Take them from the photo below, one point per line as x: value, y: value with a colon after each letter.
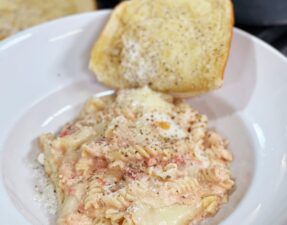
x: 44, y: 79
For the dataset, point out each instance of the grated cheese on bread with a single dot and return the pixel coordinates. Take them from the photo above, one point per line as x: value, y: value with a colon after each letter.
x: 172, y: 46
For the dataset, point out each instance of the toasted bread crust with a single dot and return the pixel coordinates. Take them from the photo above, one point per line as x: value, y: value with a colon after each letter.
x: 197, y: 70
x: 231, y: 25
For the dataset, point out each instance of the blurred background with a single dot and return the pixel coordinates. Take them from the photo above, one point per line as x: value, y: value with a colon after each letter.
x: 266, y: 19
